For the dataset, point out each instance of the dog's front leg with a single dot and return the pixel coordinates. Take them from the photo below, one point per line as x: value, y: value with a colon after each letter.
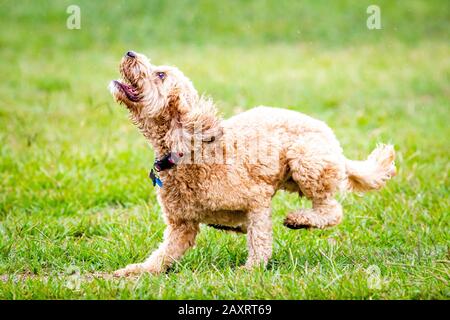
x: 259, y: 237
x: 177, y: 239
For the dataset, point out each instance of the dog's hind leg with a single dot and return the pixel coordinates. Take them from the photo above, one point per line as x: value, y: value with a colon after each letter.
x: 177, y: 239
x: 259, y: 237
x: 322, y: 215
x: 318, y: 167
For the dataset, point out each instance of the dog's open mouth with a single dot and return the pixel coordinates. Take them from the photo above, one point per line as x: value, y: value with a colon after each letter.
x: 128, y: 90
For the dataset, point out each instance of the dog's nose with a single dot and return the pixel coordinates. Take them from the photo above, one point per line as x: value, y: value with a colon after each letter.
x: 131, y: 54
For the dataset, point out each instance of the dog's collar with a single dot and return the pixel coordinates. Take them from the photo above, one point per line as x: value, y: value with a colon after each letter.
x: 165, y: 163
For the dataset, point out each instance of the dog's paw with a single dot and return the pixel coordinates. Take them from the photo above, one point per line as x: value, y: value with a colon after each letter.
x: 253, y: 264
x: 137, y: 269
x: 297, y: 221
x: 245, y: 268
x: 131, y: 269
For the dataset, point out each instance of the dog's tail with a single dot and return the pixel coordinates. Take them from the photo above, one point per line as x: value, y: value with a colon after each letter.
x: 373, y: 173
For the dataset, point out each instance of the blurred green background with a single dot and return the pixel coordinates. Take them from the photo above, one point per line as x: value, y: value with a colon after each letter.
x: 74, y: 193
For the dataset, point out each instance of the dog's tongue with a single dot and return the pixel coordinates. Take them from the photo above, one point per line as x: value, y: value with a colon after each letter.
x: 129, y: 91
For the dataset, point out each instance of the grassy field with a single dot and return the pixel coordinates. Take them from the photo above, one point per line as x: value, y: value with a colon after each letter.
x: 75, y: 200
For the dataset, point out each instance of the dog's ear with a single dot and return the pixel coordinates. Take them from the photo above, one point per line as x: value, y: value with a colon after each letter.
x: 177, y: 103
x: 202, y: 122
x: 182, y: 97
x: 212, y: 135
x: 198, y: 121
x: 197, y: 117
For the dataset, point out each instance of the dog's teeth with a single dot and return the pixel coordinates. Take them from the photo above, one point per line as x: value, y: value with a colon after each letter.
x: 112, y: 87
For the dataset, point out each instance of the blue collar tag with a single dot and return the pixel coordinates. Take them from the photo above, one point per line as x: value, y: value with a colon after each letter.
x: 155, y: 179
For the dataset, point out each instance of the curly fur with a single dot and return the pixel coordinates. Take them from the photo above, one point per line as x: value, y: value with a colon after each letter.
x: 232, y: 168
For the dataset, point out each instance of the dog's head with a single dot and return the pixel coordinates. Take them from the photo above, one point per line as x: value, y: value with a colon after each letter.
x: 163, y: 97
x: 149, y: 89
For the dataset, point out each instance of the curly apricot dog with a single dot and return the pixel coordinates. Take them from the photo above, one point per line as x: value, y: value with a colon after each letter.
x: 224, y: 173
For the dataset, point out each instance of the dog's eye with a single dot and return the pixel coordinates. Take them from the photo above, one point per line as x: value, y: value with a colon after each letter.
x: 161, y: 75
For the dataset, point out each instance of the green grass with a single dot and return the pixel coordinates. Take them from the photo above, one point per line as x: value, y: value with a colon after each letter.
x: 74, y: 192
